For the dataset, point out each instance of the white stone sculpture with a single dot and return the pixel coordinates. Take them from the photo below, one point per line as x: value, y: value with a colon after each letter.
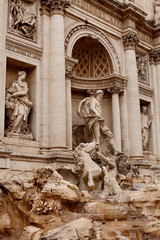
x: 18, y: 107
x: 90, y: 109
x: 145, y: 127
x: 93, y: 175
x: 22, y: 22
x: 157, y: 11
x: 141, y: 69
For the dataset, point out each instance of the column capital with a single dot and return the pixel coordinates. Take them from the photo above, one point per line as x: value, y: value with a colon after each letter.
x: 115, y: 89
x: 154, y: 56
x: 130, y: 40
x: 51, y: 6
x: 69, y: 64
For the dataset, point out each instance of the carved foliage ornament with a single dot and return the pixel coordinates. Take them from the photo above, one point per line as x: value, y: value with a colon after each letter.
x: 115, y: 89
x: 130, y: 40
x: 51, y: 5
x: 154, y: 57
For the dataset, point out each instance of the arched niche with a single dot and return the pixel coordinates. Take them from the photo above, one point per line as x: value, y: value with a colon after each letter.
x: 89, y: 31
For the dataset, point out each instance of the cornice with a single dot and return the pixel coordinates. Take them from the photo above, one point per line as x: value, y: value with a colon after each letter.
x: 145, y: 91
x: 123, y: 11
x: 23, y: 49
x: 102, y: 83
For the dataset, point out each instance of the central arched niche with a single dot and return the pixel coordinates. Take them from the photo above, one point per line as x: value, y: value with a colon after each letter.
x: 93, y: 59
x: 94, y: 63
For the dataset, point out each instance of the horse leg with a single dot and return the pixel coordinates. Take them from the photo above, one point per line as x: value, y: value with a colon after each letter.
x: 90, y: 180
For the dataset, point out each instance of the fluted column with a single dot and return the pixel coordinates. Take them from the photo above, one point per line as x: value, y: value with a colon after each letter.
x: 2, y: 68
x: 134, y: 121
x: 116, y: 115
x: 57, y: 85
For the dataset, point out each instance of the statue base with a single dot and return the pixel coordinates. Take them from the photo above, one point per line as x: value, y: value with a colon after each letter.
x: 20, y: 136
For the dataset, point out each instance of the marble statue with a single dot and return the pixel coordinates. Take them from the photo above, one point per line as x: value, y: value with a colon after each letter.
x: 90, y: 109
x: 141, y: 69
x: 157, y: 11
x: 145, y: 126
x: 93, y: 175
x: 25, y: 24
x: 18, y: 106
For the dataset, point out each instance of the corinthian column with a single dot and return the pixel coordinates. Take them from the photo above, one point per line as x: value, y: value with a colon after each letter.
x: 134, y: 121
x: 57, y: 87
x: 116, y: 115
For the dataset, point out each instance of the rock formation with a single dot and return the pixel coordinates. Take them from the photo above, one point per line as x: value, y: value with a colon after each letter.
x: 45, y: 207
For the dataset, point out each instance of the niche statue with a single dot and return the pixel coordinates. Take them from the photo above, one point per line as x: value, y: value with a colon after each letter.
x: 145, y: 127
x: 18, y: 107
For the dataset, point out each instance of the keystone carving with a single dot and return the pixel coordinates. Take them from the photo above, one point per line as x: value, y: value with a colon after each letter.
x: 130, y: 40
x: 51, y: 5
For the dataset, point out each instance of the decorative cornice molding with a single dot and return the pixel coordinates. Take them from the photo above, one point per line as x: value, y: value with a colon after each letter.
x: 146, y: 91
x: 130, y: 40
x: 96, y: 83
x: 23, y: 49
x: 154, y: 57
x: 49, y: 6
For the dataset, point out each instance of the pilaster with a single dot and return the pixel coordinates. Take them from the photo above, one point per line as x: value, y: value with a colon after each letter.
x: 155, y: 75
x: 2, y: 67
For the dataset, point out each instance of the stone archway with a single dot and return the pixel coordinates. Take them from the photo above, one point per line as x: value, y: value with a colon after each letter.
x: 88, y: 30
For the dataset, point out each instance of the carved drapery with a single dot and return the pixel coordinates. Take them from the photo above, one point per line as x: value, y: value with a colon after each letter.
x: 142, y: 69
x: 22, y: 18
x: 130, y: 40
x: 51, y: 5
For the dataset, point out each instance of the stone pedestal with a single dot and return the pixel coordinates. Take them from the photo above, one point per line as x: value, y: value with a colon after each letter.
x: 134, y: 121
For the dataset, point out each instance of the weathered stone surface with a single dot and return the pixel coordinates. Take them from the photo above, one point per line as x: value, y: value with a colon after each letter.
x: 100, y: 210
x: 31, y: 233
x: 63, y: 190
x: 60, y: 211
x: 79, y: 229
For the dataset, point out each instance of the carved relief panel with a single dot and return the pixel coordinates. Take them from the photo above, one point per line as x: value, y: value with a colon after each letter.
x: 22, y: 18
x: 142, y: 69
